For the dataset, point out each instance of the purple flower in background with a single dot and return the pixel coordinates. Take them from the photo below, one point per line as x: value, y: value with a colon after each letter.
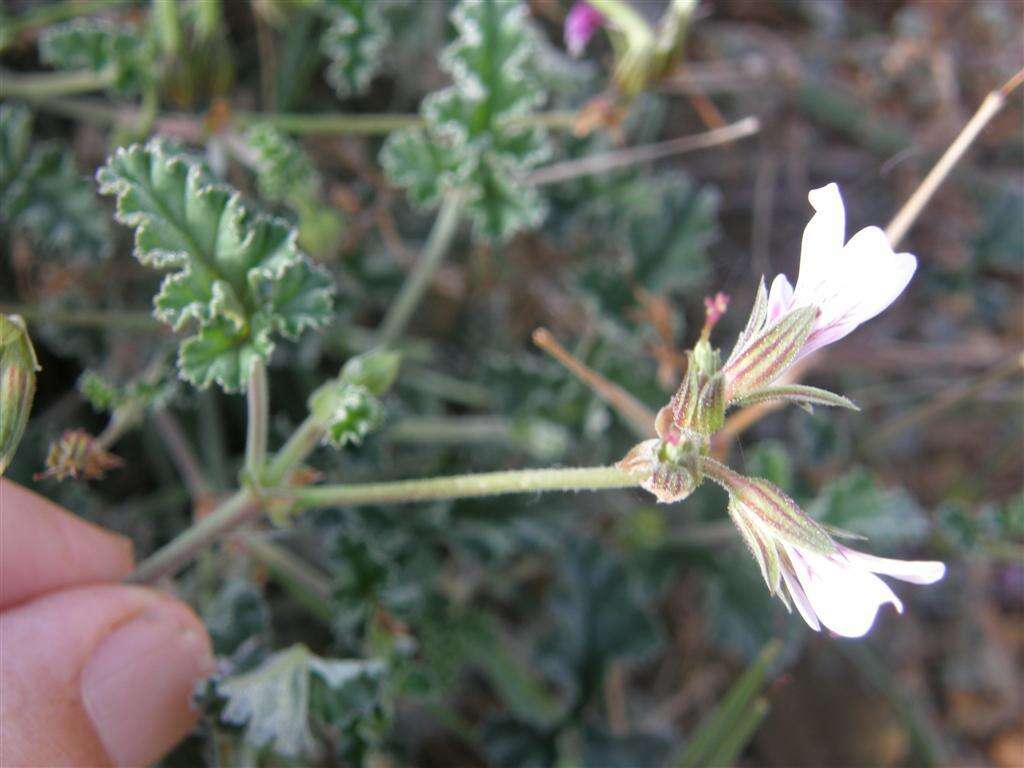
x: 580, y: 25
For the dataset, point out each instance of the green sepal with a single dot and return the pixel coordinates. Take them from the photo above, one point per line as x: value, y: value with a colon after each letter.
x: 18, y: 366
x: 796, y: 393
x: 768, y: 353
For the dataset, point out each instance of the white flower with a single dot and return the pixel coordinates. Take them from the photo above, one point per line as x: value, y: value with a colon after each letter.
x: 841, y: 590
x: 847, y: 283
x: 830, y: 584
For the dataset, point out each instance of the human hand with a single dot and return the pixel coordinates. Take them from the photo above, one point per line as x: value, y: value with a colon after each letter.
x: 92, y: 672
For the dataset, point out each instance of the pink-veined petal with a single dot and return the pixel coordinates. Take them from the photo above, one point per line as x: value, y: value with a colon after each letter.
x: 780, y: 297
x: 913, y: 571
x: 822, y: 241
x: 845, y: 597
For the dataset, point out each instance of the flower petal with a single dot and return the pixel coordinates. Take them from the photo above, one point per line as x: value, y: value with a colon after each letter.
x: 845, y: 597
x: 822, y: 241
x: 800, y: 599
x: 913, y: 571
x: 780, y: 298
x: 582, y: 21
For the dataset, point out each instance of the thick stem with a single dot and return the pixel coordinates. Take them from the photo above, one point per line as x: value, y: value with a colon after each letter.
x: 416, y: 283
x: 256, y: 430
x: 302, y: 443
x: 122, y: 321
x: 464, y: 486
x: 52, y: 84
x: 237, y: 509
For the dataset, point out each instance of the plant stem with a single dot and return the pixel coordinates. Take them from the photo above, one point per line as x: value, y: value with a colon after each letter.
x: 302, y: 442
x: 45, y: 85
x: 256, y: 429
x: 989, y: 108
x: 463, y: 486
x: 450, y: 430
x: 309, y: 585
x: 416, y: 283
x: 237, y: 509
x: 122, y: 321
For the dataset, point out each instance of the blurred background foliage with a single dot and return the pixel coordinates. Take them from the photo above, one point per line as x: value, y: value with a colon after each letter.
x: 594, y: 629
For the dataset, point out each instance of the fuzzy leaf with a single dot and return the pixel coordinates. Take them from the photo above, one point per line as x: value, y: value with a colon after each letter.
x: 236, y: 273
x: 796, y: 393
x: 42, y: 193
x: 472, y: 140
x: 354, y: 42
x: 101, y: 47
x: 276, y: 702
x: 283, y: 170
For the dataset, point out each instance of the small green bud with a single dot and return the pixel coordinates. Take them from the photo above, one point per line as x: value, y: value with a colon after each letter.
x: 18, y: 366
x: 348, y: 412
x: 376, y: 370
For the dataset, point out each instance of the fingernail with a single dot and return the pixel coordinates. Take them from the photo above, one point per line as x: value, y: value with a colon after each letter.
x: 138, y: 684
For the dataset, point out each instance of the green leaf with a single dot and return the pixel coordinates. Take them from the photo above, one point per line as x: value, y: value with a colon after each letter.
x: 354, y: 42
x: 795, y: 393
x: 222, y: 353
x: 42, y: 193
x: 277, y: 701
x: 475, y: 140
x: 100, y: 46
x: 237, y: 274
x: 722, y: 734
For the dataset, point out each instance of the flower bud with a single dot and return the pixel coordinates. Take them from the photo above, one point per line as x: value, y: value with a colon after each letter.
x: 18, y: 366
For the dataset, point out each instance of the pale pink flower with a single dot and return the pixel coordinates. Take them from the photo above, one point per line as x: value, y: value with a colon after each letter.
x: 848, y: 282
x: 582, y: 21
x: 841, y: 590
x: 830, y: 584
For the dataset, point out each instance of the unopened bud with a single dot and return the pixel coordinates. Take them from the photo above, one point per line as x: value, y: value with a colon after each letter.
x: 18, y: 366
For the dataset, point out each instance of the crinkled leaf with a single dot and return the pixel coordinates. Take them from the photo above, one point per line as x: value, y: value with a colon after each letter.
x: 277, y: 701
x: 237, y: 273
x: 474, y: 138
x: 100, y: 46
x: 143, y: 392
x: 222, y: 353
x: 354, y: 42
x: 349, y: 411
x: 42, y: 193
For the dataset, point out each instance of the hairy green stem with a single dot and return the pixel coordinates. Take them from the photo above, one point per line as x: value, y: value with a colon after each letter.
x: 45, y: 85
x: 309, y: 585
x: 258, y: 402
x: 122, y: 321
x: 302, y: 443
x: 463, y: 486
x: 416, y: 283
x: 450, y: 430
x: 237, y: 509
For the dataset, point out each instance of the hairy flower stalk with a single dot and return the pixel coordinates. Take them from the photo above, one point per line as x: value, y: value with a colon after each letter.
x: 840, y: 286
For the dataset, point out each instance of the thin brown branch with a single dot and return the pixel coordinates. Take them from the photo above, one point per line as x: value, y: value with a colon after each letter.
x: 609, y: 161
x: 638, y: 415
x: 911, y: 209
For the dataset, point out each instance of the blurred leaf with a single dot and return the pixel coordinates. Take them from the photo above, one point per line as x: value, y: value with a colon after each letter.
x: 283, y: 702
x: 770, y: 460
x: 601, y: 748
x: 238, y: 620
x: 100, y: 46
x: 512, y: 743
x: 354, y: 42
x: 722, y: 735
x: 854, y: 502
x: 42, y: 193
